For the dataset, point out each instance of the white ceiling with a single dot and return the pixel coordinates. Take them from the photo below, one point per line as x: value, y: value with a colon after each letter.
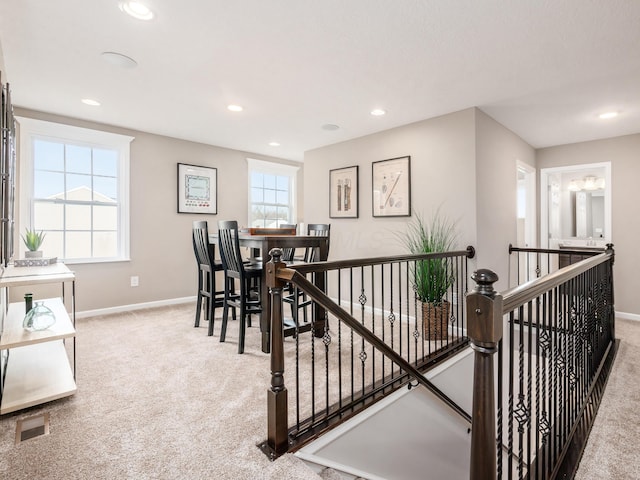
x: 543, y: 68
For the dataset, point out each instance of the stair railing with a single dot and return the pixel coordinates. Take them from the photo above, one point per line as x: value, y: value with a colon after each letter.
x: 532, y: 419
x: 388, y: 347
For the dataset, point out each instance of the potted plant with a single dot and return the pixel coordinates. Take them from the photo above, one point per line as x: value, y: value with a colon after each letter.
x: 32, y: 241
x: 431, y: 278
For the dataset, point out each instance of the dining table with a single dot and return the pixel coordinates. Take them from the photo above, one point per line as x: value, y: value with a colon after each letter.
x: 262, y: 244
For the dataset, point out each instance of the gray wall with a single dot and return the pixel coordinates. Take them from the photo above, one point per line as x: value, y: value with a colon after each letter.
x: 4, y: 73
x: 464, y: 161
x: 623, y: 153
x: 442, y: 173
x: 161, y: 251
x: 497, y: 153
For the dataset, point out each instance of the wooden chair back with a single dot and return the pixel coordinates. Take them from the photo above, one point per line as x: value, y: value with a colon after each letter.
x: 320, y: 230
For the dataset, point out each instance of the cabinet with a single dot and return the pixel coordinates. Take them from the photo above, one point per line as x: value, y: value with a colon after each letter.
x: 576, y: 254
x: 39, y: 366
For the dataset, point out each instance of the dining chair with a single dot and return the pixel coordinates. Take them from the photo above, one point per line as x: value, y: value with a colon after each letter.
x: 249, y: 278
x: 207, y: 268
x: 319, y: 230
x: 289, y: 252
x: 296, y: 298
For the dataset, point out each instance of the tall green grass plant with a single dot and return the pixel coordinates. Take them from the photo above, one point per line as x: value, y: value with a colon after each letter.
x: 431, y: 278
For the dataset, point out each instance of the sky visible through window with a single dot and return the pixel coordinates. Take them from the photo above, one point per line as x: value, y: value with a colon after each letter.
x: 75, y: 199
x: 270, y: 199
x: 59, y: 168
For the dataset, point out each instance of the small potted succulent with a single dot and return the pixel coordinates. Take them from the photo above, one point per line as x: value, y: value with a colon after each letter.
x: 32, y: 240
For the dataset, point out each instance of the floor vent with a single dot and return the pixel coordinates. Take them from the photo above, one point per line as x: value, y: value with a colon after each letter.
x: 32, y: 427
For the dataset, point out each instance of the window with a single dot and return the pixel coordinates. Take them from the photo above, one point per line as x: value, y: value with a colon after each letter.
x: 271, y: 193
x: 75, y: 188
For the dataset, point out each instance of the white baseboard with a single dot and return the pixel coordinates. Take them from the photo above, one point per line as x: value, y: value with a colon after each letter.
x: 178, y: 301
x: 628, y: 316
x: 135, y: 306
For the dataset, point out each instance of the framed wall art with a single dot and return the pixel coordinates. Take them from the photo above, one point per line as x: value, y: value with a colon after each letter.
x: 343, y: 192
x: 197, y: 189
x: 391, y: 191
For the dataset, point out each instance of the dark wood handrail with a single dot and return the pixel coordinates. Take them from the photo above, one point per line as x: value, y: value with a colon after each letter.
x: 295, y: 277
x: 522, y: 294
x: 305, y: 268
x: 565, y: 251
x: 486, y: 310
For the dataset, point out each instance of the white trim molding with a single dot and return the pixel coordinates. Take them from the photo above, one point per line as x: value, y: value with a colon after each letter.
x: 628, y: 316
x: 136, y: 306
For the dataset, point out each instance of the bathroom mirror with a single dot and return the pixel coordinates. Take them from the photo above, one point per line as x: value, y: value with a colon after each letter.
x: 576, y: 205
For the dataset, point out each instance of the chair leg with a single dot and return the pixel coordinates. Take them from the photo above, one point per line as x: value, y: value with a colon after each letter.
x: 231, y: 287
x: 207, y: 308
x: 242, y: 321
x: 225, y: 316
x: 198, y: 309
x: 210, y: 312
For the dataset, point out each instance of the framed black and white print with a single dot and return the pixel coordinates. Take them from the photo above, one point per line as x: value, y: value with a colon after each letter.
x: 343, y: 192
x: 391, y: 190
x: 197, y: 189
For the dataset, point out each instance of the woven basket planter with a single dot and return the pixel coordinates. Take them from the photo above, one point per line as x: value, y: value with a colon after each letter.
x: 436, y: 320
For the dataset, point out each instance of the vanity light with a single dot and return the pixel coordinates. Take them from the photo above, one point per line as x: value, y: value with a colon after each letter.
x: 234, y: 108
x: 91, y: 102
x: 589, y: 182
x: 573, y: 186
x: 136, y: 10
x: 607, y: 115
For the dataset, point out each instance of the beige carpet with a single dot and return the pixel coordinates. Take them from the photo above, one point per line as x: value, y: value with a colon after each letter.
x: 612, y: 450
x: 158, y: 399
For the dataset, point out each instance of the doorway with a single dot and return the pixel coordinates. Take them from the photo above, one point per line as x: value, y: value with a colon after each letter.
x: 526, y: 219
x: 575, y: 205
x: 526, y: 205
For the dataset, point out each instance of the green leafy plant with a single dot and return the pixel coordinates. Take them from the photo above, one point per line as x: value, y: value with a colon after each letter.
x: 33, y: 239
x: 431, y: 278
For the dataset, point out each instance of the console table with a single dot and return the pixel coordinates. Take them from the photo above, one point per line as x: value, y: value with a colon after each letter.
x: 35, y: 366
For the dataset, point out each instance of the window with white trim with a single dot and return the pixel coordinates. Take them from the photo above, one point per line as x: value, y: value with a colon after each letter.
x: 75, y: 189
x: 272, y: 188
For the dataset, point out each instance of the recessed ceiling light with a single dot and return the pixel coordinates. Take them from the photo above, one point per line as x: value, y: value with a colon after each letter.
x: 89, y: 101
x: 607, y: 115
x: 119, y: 60
x: 378, y: 112
x: 274, y: 144
x: 136, y: 10
x: 234, y: 108
x: 330, y: 127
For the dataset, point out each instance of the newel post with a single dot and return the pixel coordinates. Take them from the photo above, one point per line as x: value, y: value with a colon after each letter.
x: 484, y: 310
x: 277, y: 424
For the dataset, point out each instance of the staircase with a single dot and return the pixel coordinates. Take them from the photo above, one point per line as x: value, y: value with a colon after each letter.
x: 408, y: 435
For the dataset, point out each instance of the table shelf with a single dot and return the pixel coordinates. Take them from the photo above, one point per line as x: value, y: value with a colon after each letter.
x: 23, y: 276
x: 38, y: 366
x: 37, y: 374
x: 15, y: 336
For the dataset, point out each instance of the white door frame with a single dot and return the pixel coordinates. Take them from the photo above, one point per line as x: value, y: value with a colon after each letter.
x: 530, y: 202
x: 545, y: 173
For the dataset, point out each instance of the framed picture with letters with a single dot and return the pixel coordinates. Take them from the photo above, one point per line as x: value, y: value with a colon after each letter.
x: 197, y: 189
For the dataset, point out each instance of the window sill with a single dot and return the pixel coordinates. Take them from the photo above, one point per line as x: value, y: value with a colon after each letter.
x: 83, y: 261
